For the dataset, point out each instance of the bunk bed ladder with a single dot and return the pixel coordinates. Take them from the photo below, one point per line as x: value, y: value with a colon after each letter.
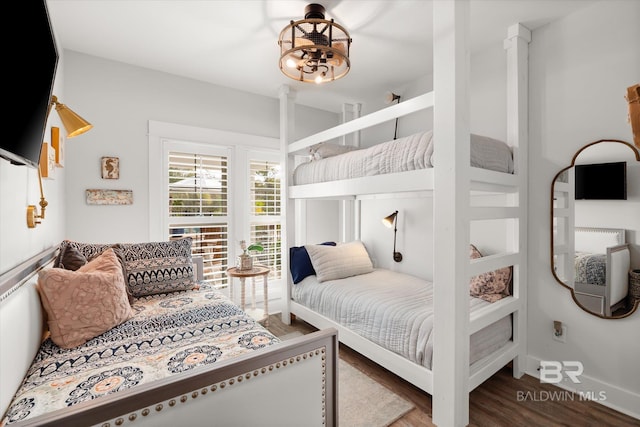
x: 452, y: 376
x: 451, y: 135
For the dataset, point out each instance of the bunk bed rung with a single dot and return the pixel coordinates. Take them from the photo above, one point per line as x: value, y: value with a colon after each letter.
x: 481, y: 178
x: 486, y: 367
x: 493, y: 212
x: 560, y: 249
x: 493, y: 262
x: 492, y: 313
x: 402, y: 109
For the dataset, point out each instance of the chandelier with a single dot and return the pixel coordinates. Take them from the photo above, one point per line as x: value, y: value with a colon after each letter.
x: 314, y: 49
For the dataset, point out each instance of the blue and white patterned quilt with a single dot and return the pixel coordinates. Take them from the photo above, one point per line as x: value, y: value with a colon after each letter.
x: 591, y: 268
x: 169, y: 334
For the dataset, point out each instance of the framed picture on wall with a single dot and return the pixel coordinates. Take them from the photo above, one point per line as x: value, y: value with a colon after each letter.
x: 57, y: 144
x: 110, y: 168
x: 47, y: 161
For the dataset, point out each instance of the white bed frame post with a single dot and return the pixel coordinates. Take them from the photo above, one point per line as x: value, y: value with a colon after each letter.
x: 350, y: 209
x: 517, y: 47
x: 287, y: 233
x: 451, y: 213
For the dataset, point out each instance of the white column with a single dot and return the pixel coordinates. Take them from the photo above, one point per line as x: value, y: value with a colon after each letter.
x: 451, y: 213
x: 349, y: 218
x: 287, y: 126
x: 517, y: 50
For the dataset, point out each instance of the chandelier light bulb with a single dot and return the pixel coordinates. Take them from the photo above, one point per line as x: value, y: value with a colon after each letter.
x: 291, y: 63
x: 318, y: 79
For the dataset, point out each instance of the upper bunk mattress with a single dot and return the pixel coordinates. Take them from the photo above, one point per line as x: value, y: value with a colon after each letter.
x: 393, y: 310
x: 400, y: 155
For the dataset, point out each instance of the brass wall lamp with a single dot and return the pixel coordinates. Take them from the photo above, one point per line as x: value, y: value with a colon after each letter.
x: 74, y: 125
x: 392, y: 221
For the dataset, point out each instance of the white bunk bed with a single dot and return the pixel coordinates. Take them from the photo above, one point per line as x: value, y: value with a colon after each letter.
x: 450, y: 184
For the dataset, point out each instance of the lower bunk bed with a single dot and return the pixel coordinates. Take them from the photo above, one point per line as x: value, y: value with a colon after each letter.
x: 601, y: 265
x: 388, y: 316
x: 190, y: 357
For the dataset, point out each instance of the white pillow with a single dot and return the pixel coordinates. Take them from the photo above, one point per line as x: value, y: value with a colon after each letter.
x: 340, y: 261
x: 325, y: 150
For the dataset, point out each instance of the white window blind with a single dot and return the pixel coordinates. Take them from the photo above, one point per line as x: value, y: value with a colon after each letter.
x: 264, y: 179
x: 198, y: 207
x: 197, y: 185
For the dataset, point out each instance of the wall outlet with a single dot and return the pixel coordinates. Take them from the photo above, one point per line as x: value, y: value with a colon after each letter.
x: 560, y: 337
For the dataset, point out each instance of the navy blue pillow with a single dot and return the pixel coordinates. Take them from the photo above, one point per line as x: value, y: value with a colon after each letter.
x: 300, y: 263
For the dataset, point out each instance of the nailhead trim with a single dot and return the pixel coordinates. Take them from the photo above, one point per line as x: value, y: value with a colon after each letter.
x: 232, y: 381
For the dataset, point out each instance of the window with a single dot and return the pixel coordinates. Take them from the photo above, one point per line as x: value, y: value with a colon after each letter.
x: 265, y: 220
x: 198, y: 207
x: 217, y: 187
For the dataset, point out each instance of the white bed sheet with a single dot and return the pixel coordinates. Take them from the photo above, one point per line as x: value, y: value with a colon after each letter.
x: 393, y: 310
x: 404, y: 154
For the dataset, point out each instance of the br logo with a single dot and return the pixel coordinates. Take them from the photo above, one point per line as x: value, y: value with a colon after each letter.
x: 551, y: 371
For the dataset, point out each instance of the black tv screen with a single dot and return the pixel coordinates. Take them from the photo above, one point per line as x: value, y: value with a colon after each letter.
x: 31, y: 50
x: 601, y: 181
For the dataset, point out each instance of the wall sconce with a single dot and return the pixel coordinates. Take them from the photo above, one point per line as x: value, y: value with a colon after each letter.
x: 392, y: 221
x: 389, y: 97
x: 74, y: 125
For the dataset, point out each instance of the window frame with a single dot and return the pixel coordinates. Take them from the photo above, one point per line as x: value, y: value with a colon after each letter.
x: 238, y: 146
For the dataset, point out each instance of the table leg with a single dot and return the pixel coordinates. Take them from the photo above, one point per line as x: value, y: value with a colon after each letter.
x: 231, y: 288
x: 266, y: 302
x: 242, y: 279
x: 253, y: 293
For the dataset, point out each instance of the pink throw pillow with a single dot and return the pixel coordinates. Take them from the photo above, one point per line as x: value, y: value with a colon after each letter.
x: 83, y: 304
x: 490, y: 286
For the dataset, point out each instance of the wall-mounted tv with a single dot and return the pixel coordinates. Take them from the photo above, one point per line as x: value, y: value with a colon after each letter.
x: 601, y: 181
x: 31, y: 51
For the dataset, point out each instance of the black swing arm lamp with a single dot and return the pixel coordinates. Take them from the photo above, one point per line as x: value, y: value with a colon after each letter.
x: 392, y: 221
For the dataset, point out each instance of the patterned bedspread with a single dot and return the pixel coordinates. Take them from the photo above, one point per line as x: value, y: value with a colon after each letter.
x: 591, y: 268
x: 169, y: 334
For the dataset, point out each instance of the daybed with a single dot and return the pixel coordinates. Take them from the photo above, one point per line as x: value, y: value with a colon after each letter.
x: 451, y: 182
x: 602, y: 262
x: 164, y: 349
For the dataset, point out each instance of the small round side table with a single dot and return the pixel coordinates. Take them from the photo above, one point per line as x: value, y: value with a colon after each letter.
x: 256, y: 271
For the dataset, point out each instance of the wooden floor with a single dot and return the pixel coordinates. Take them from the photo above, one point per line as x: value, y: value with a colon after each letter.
x: 500, y: 401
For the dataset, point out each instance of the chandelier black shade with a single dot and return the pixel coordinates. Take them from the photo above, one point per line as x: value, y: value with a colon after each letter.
x: 314, y: 50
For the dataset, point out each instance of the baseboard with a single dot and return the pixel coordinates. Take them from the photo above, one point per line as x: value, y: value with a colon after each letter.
x: 611, y: 396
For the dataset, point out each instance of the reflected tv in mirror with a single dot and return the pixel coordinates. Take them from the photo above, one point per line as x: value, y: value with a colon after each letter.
x: 601, y: 181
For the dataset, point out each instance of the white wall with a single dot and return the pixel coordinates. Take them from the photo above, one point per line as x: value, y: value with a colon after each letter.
x: 119, y: 100
x: 580, y: 68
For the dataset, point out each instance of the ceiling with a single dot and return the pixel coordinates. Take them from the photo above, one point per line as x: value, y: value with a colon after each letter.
x: 233, y: 43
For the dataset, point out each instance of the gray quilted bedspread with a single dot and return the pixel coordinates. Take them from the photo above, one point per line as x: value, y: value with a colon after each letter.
x: 393, y: 310
x: 403, y: 154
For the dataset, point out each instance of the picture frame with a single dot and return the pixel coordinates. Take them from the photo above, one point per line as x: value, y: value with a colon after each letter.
x: 47, y: 161
x: 110, y: 167
x: 109, y: 197
x: 57, y: 144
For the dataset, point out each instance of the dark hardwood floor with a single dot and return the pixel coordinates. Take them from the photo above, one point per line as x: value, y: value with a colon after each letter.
x: 500, y: 401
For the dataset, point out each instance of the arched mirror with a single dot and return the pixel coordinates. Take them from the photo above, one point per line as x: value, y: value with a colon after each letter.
x: 595, y: 228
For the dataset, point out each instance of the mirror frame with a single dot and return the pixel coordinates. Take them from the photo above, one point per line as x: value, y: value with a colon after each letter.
x: 551, y: 252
